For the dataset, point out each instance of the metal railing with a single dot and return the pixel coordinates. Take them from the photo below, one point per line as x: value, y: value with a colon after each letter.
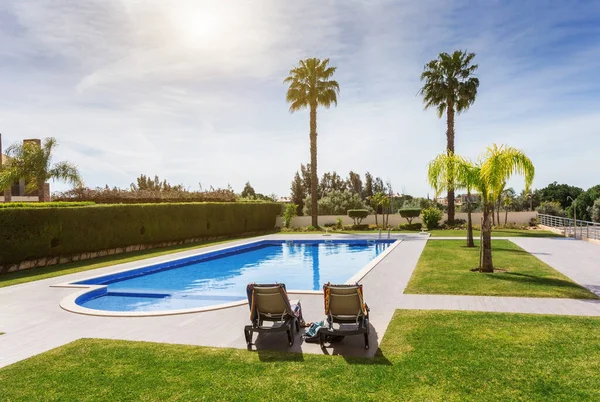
x: 571, y: 227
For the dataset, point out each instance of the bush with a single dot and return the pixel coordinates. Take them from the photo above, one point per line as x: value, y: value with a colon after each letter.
x: 410, y: 226
x: 59, y: 204
x: 330, y: 224
x: 360, y: 227
x: 289, y: 211
x: 31, y: 233
x: 534, y: 221
x: 551, y: 208
x: 457, y: 224
x: 431, y: 217
x: 409, y: 213
x: 339, y: 222
x: 358, y: 215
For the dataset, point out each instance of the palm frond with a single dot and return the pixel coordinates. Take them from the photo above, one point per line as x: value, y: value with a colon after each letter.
x: 309, y: 83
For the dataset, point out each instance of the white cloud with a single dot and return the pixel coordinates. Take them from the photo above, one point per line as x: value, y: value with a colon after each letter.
x: 192, y: 90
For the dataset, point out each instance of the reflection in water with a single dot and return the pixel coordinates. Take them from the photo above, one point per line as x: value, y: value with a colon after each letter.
x: 314, y: 253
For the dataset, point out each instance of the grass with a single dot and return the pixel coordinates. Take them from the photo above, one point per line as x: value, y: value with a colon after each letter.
x: 425, y: 355
x: 444, y: 268
x: 30, y: 275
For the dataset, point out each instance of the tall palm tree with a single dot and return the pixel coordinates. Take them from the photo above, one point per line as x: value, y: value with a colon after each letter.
x: 310, y: 86
x: 33, y: 163
x: 449, y: 85
x: 495, y: 167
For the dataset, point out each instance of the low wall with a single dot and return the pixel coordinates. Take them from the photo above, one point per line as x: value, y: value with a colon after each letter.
x: 18, y: 198
x: 396, y: 219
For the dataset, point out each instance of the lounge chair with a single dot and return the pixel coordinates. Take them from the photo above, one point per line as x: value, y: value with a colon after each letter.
x: 271, y: 303
x: 344, y: 306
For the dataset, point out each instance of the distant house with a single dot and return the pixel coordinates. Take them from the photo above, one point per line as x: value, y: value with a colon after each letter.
x: 17, y: 192
x: 460, y: 199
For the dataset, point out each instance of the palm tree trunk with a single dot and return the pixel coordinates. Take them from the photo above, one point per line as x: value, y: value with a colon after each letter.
x: 498, y: 211
x: 313, y: 166
x: 450, y: 150
x: 505, y: 216
x: 487, y: 264
x: 493, y: 215
x: 470, y: 242
x: 41, y: 193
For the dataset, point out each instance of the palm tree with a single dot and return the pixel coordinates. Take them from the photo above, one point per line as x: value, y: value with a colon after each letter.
x: 508, y: 196
x: 310, y: 86
x: 466, y: 176
x: 496, y: 166
x: 33, y: 163
x: 450, y: 87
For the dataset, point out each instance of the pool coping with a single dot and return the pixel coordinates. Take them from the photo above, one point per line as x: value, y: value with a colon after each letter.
x: 68, y: 303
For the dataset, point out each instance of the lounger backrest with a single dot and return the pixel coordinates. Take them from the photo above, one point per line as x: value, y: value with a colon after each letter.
x: 268, y: 299
x: 344, y: 300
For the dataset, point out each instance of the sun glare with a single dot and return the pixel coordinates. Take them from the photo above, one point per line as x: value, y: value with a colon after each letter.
x: 198, y: 26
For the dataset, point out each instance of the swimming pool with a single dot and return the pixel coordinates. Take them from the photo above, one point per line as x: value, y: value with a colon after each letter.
x: 220, y: 277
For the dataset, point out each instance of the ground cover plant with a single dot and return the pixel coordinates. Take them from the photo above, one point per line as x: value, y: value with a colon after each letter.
x: 444, y: 268
x: 425, y: 355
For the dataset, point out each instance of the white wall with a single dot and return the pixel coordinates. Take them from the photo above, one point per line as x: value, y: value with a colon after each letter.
x: 395, y: 219
x: 21, y: 199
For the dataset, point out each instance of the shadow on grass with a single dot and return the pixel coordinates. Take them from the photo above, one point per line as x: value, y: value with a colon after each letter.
x: 524, y: 278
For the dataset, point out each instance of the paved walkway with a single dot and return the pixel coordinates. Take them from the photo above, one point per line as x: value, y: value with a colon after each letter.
x: 34, y: 322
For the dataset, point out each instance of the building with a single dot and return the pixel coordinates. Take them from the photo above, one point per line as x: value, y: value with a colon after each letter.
x: 460, y: 199
x: 17, y: 192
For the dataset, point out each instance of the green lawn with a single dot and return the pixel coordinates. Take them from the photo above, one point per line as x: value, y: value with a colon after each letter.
x: 445, y: 233
x: 30, y: 275
x: 425, y: 355
x: 444, y: 268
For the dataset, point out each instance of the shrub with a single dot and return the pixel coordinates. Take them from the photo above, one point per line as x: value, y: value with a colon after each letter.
x: 534, y: 221
x: 330, y: 224
x: 457, y: 224
x: 431, y: 217
x: 289, y: 211
x: 551, y: 208
x: 358, y: 215
x: 409, y: 213
x: 31, y: 233
x: 360, y: 227
x: 339, y: 222
x: 410, y: 226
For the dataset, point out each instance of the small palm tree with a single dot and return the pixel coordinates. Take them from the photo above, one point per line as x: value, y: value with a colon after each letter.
x: 310, y: 86
x: 466, y: 176
x: 33, y: 163
x: 450, y: 87
x: 496, y: 166
x: 508, y: 197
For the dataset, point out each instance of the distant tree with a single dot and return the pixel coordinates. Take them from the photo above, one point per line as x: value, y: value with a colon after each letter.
x: 583, y: 204
x: 306, y: 175
x: 379, y: 186
x: 508, y: 196
x: 310, y: 86
x: 551, y: 208
x: 560, y: 193
x: 354, y: 183
x: 596, y: 211
x: 145, y: 183
x: 248, y: 191
x: 298, y: 193
x: 368, y: 186
x: 336, y: 203
x: 331, y: 182
x: 33, y: 163
x: 450, y: 86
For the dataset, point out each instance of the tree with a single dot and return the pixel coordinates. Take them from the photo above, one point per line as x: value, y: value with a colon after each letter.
x: 336, y: 203
x: 450, y: 87
x: 495, y: 168
x: 354, y: 183
x: 583, y: 204
x: 596, y: 211
x: 560, y: 193
x: 378, y: 186
x: 464, y: 173
x: 378, y: 201
x: 368, y: 186
x: 508, y: 196
x: 298, y: 193
x: 330, y: 182
x: 553, y: 208
x: 33, y: 163
x: 310, y: 86
x: 248, y: 191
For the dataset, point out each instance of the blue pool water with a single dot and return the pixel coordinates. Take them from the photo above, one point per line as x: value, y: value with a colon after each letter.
x: 221, y: 276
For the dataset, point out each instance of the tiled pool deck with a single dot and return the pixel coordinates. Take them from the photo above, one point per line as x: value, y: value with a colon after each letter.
x: 33, y: 321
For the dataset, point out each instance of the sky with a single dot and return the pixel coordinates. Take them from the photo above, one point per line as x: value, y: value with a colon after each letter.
x: 193, y: 90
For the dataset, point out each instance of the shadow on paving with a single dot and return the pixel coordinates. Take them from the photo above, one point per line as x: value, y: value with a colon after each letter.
x: 517, y: 277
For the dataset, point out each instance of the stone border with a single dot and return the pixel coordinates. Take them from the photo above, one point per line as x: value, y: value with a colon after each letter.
x: 69, y: 302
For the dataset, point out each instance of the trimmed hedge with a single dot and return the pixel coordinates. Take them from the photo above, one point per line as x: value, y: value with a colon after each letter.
x: 358, y: 215
x: 59, y: 204
x: 409, y: 213
x: 31, y: 233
